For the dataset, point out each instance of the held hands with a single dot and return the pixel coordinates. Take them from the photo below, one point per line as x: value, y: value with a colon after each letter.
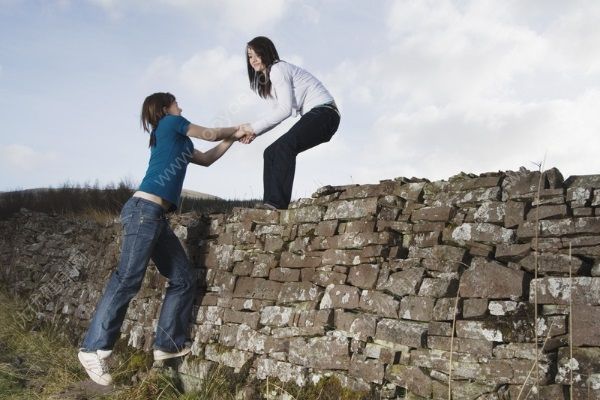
x: 245, y: 134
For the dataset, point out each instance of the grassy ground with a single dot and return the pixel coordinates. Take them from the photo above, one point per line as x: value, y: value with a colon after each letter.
x: 41, y: 364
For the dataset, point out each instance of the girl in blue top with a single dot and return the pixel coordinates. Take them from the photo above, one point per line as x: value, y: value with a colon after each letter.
x: 147, y: 235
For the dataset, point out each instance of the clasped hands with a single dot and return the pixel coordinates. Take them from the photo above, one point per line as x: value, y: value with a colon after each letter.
x: 244, y: 134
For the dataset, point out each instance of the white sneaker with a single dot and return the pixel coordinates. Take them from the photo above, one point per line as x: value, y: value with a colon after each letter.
x: 163, y: 355
x: 95, y: 365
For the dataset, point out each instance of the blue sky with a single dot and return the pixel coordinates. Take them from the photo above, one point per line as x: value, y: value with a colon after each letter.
x: 426, y: 88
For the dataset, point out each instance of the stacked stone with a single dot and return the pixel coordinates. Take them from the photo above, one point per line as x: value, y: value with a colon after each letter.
x: 407, y: 287
x: 376, y: 284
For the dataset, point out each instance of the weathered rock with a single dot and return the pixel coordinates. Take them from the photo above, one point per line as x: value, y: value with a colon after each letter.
x: 368, y: 370
x: 491, y: 280
x: 483, y: 232
x: 276, y: 316
x: 408, y: 333
x: 586, y: 324
x: 553, y: 290
x: 322, y: 353
x: 340, y: 296
x: 233, y: 358
x: 351, y: 209
x: 298, y: 291
x: 379, y: 303
x: 285, y: 372
x: 417, y: 308
x: 403, y: 283
x: 552, y: 263
x: 257, y: 288
x: 411, y: 378
x: 363, y: 276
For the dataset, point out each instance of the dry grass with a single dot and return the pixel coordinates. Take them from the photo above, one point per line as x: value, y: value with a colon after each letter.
x: 33, y: 364
x: 42, y: 364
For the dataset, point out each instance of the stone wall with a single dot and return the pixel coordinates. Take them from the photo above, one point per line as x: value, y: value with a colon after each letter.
x: 379, y: 285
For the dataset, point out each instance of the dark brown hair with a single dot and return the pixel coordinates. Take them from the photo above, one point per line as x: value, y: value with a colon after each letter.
x: 153, y: 110
x: 260, y: 82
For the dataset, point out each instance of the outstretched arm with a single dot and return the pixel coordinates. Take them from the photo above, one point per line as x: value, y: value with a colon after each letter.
x: 210, y: 134
x: 207, y: 158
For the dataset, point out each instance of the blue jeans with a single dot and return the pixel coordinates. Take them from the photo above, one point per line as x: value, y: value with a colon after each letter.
x: 315, y: 127
x: 146, y: 234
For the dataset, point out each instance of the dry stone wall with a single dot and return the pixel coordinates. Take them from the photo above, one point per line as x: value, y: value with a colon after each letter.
x: 398, y: 288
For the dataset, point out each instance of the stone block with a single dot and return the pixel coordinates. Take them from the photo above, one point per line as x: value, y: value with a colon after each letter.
x: 273, y: 244
x: 480, y: 330
x: 327, y: 228
x: 340, y: 296
x: 284, y: 274
x: 379, y: 303
x: 439, y: 287
x: 220, y: 257
x: 298, y: 292
x: 514, y: 214
x: 233, y: 358
x: 358, y: 240
x: 302, y: 215
x: 351, y: 209
x: 412, y: 378
x: 321, y: 353
x: 291, y: 260
x: 341, y: 257
x: 257, y: 288
x: 371, y: 371
x: 326, y: 278
x: 254, y: 215
x: 488, y: 279
x: 446, y: 308
x: 440, y: 328
x: 483, y: 232
x: 250, y: 340
x: 276, y: 316
x: 512, y: 252
x: 492, y: 212
x: 358, y: 226
x: 285, y: 372
x: 417, y: 308
x: 586, y: 325
x: 363, y: 276
x: 403, y: 283
x: 547, y: 212
x: 433, y: 214
x: 241, y: 317
x: 552, y: 263
x: 475, y: 347
x: 555, y: 290
x: 407, y: 333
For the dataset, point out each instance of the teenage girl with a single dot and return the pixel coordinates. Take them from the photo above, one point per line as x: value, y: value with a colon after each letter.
x: 147, y: 235
x: 292, y: 90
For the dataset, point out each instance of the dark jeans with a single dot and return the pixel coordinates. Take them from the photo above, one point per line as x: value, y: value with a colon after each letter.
x: 146, y: 234
x: 315, y: 127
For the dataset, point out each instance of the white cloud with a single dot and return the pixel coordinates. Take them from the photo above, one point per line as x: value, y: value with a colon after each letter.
x: 475, y: 87
x: 243, y: 16
x: 24, y: 158
x: 438, y: 142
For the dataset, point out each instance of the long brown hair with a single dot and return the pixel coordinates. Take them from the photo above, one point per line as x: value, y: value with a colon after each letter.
x: 153, y: 110
x: 260, y: 82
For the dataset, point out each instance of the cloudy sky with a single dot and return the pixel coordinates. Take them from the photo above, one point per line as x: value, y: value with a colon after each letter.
x: 426, y: 88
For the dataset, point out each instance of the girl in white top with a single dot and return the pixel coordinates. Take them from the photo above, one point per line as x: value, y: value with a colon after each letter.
x: 292, y: 91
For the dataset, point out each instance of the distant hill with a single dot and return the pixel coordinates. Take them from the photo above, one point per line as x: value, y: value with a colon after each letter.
x: 192, y: 194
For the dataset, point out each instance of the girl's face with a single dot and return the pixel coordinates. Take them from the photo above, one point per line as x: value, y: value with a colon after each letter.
x: 255, y: 61
x: 173, y: 109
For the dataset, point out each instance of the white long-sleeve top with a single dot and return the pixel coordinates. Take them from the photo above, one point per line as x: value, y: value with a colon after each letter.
x: 294, y: 91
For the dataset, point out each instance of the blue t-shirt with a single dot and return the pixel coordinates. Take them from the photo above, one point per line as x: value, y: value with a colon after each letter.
x: 168, y: 160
